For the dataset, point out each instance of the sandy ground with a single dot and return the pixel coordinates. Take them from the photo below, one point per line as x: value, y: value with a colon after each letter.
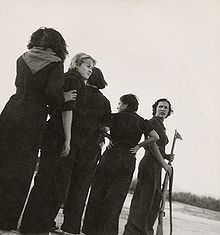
x: 187, y: 220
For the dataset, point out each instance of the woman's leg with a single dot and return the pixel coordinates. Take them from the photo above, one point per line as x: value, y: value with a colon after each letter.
x: 15, y: 178
x: 108, y: 193
x: 82, y: 175
x: 144, y: 205
x: 37, y: 216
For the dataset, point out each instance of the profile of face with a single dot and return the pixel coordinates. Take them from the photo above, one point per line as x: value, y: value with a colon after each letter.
x: 121, y: 106
x: 85, y: 69
x: 162, y: 109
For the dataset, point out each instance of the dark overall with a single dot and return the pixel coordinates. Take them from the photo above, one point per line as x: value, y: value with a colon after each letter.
x: 96, y: 113
x: 146, y: 199
x: 22, y: 124
x: 114, y: 174
x: 51, y: 181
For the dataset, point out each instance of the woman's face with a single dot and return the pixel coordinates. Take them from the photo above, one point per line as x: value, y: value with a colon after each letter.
x: 121, y: 106
x: 85, y: 69
x: 162, y: 109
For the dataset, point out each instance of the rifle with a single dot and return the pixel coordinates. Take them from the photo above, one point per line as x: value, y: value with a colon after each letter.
x: 167, y: 180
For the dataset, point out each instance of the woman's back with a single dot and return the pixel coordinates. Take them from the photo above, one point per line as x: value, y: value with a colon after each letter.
x: 127, y: 126
x: 97, y: 110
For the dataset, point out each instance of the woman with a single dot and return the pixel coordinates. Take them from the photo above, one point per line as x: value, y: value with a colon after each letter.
x: 57, y: 154
x: 39, y: 84
x: 146, y: 199
x: 95, y: 117
x: 114, y: 172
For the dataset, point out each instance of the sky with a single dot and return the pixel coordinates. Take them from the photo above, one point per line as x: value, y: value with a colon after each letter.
x: 151, y: 48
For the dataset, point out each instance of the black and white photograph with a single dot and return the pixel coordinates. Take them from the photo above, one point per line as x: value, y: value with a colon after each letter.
x: 109, y: 117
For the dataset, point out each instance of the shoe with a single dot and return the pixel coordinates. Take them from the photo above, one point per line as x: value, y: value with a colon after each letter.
x: 66, y: 233
x: 15, y: 231
x: 34, y: 232
x: 54, y: 228
x: 58, y: 231
x: 7, y: 232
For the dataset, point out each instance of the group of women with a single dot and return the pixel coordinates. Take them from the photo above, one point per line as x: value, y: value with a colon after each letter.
x: 70, y: 145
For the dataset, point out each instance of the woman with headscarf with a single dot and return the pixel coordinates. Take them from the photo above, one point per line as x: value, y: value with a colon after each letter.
x: 39, y: 91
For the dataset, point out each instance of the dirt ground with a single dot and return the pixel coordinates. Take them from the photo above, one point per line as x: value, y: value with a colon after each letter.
x: 187, y: 220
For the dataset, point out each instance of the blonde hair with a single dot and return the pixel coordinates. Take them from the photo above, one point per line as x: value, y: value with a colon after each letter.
x: 80, y: 58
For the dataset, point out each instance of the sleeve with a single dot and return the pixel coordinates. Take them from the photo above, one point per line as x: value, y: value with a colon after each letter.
x: 70, y: 83
x: 54, y: 87
x: 148, y: 127
x: 152, y: 122
x: 107, y: 119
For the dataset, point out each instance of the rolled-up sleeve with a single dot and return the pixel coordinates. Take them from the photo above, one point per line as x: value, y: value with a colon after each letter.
x: 70, y: 83
x: 147, y: 127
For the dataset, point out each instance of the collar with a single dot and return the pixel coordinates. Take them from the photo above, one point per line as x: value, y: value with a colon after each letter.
x: 77, y: 74
x: 128, y: 110
x: 92, y: 86
x: 160, y: 122
x: 37, y: 58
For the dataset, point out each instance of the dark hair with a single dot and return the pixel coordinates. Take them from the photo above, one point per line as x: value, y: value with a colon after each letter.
x: 131, y: 100
x: 97, y: 79
x: 49, y: 38
x: 154, y: 106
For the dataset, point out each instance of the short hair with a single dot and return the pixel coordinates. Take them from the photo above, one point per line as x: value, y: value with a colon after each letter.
x: 97, y: 79
x: 49, y: 38
x: 131, y: 100
x: 80, y: 58
x: 154, y: 106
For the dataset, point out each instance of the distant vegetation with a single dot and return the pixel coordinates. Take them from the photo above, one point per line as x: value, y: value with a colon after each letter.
x: 191, y: 199
x: 200, y: 201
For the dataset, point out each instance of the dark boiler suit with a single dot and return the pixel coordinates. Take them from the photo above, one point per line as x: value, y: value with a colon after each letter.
x: 39, y: 84
x: 146, y: 199
x: 114, y: 174
x: 96, y: 114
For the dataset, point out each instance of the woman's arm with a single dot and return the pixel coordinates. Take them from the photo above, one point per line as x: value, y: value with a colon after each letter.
x: 156, y: 153
x: 70, y: 95
x: 67, y: 124
x: 153, y: 137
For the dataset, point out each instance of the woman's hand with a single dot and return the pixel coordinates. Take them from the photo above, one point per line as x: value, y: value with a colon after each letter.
x: 101, y: 144
x: 135, y: 149
x: 66, y: 149
x: 110, y: 145
x: 70, y: 95
x: 170, y: 157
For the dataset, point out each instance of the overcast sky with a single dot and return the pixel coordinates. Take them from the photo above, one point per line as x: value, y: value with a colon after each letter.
x: 152, y: 48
